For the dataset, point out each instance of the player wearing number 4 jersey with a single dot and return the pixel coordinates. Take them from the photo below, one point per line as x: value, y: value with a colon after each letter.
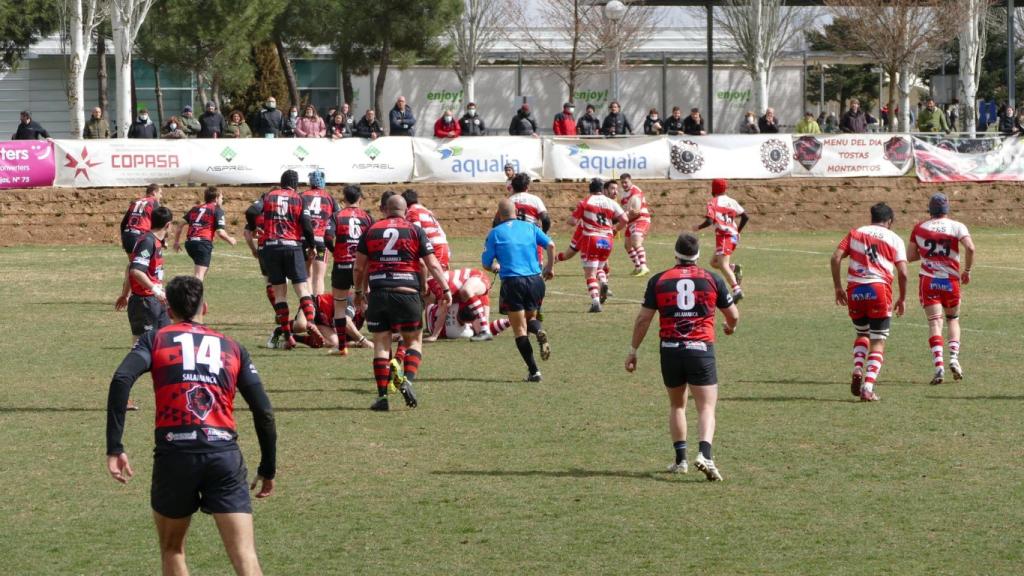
x: 597, y: 218
x: 321, y: 207
x: 876, y: 255
x: 685, y: 298
x: 204, y: 222
x: 937, y: 243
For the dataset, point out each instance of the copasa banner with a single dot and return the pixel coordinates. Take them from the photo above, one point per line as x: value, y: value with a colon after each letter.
x: 846, y: 155
x: 937, y: 163
x: 476, y: 159
x: 753, y: 156
x: 122, y: 162
x: 581, y: 158
x: 26, y: 163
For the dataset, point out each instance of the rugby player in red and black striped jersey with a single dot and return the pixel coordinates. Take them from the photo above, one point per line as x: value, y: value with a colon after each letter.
x: 321, y: 207
x: 204, y: 222
x: 253, y: 239
x: 137, y: 219
x: 389, y: 259
x: 197, y: 464
x: 342, y: 238
x: 685, y: 297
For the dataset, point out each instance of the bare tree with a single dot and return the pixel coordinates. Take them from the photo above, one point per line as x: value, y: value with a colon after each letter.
x: 79, y: 21
x: 575, y: 35
x: 760, y: 31
x: 473, y: 35
x: 972, y: 35
x: 127, y: 17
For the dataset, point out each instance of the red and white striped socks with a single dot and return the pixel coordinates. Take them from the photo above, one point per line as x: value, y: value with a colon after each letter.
x: 860, y: 353
x: 481, y: 314
x: 594, y: 288
x: 500, y: 325
x: 935, y: 343
x: 874, y: 366
x: 954, y: 350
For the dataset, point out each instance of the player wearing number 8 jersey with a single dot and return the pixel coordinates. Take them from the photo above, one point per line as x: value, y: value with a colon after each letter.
x: 597, y: 218
x: 877, y: 254
x: 321, y: 207
x: 343, y: 238
x: 685, y: 298
x: 938, y: 243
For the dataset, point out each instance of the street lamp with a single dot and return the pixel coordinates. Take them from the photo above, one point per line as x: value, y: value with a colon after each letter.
x: 614, y: 11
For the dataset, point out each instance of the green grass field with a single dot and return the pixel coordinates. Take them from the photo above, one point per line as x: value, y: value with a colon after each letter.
x: 491, y: 475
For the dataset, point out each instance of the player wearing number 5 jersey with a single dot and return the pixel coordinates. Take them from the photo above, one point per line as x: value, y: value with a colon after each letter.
x: 197, y: 464
x: 343, y: 237
x: 723, y: 212
x: 321, y: 207
x: 597, y: 218
x: 685, y: 298
x: 938, y: 243
x: 204, y: 222
x: 877, y: 254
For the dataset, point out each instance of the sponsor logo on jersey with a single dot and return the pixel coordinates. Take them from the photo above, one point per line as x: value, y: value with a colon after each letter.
x: 686, y: 156
x: 179, y: 436
x: 775, y: 156
x: 200, y: 401
x: 217, y: 435
x: 941, y: 285
x: 807, y: 151
x: 863, y: 293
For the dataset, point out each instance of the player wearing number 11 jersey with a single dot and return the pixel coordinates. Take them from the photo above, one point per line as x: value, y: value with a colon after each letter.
x: 877, y: 254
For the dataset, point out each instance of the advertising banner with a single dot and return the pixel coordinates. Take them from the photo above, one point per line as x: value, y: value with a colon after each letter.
x: 476, y: 159
x: 582, y: 158
x: 752, y: 156
x: 97, y: 163
x: 1005, y: 162
x: 843, y: 155
x: 26, y: 164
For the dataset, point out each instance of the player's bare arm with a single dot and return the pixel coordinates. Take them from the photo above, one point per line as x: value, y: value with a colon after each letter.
x: 223, y: 235
x: 549, y: 262
x: 122, y: 301
x: 837, y: 282
x: 965, y: 275
x: 435, y: 270
x: 913, y: 253
x: 179, y: 228
x: 359, y: 293
x: 621, y: 222
x: 640, y: 327
x: 732, y: 319
x: 146, y: 284
x: 633, y: 208
x: 901, y: 277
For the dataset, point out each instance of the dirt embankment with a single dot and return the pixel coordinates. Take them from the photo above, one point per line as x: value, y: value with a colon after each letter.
x: 92, y: 215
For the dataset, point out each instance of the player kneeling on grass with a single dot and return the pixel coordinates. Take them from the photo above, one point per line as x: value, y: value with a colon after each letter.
x: 197, y: 464
x: 204, y: 222
x: 936, y: 243
x: 722, y: 211
x: 685, y: 297
x: 324, y: 336
x: 875, y: 252
x: 469, y: 289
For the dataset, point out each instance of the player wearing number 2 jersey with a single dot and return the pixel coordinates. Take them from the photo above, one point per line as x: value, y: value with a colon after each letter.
x: 938, y: 243
x: 321, y: 207
x: 877, y: 254
x: 597, y: 218
x: 685, y: 298
x: 349, y: 224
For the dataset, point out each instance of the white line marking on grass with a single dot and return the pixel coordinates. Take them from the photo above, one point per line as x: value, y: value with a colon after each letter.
x: 610, y: 297
x: 962, y: 329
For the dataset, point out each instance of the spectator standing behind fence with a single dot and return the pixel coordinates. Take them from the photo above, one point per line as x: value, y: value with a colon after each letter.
x: 674, y: 123
x: 401, y: 119
x: 338, y: 128
x: 368, y: 127
x: 954, y: 115
x: 808, y: 125
x: 29, y: 129
x: 1008, y: 122
x: 290, y: 123
x: 96, y: 127
x: 523, y: 123
x: 854, y: 120
x: 237, y: 127
x: 470, y: 123
x: 269, y: 120
x: 653, y: 125
x: 616, y: 123
x: 142, y: 126
x: 693, y: 125
x: 831, y: 124
x: 447, y: 126
x: 749, y: 124
x: 311, y: 125
x: 189, y: 123
x: 172, y: 129
x: 768, y: 124
x: 931, y: 119
x: 565, y: 123
x: 211, y: 123
x: 346, y: 110
x: 588, y: 124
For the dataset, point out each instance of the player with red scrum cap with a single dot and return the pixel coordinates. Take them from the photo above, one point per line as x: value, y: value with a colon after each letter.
x: 722, y: 211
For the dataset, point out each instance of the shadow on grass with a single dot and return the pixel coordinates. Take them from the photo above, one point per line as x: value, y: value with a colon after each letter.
x: 570, y: 473
x: 997, y: 397
x: 789, y: 381
x: 781, y: 399
x: 42, y: 409
x: 312, y: 390
x: 322, y: 409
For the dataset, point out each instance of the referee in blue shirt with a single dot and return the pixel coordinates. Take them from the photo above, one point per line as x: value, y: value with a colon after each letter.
x: 511, y: 251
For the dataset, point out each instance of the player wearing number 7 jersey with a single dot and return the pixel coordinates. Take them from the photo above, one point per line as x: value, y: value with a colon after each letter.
x: 877, y: 254
x: 938, y: 243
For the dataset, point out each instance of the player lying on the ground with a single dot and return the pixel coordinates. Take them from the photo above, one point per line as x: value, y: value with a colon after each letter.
x: 597, y: 218
x: 469, y: 288
x: 876, y: 253
x: 633, y: 202
x: 722, y: 211
x: 458, y: 323
x: 324, y: 320
x: 204, y: 222
x: 936, y: 243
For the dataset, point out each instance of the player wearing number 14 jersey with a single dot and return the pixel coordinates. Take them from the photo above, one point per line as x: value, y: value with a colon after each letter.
x: 937, y: 243
x: 877, y: 254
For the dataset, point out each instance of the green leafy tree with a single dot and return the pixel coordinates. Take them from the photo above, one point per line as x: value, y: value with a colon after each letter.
x: 22, y: 24
x: 842, y: 81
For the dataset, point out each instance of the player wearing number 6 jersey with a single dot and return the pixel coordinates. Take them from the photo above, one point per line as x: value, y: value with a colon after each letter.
x: 685, y: 297
x: 938, y: 243
x: 197, y: 464
x: 597, y: 218
x: 876, y: 255
x: 321, y: 207
x: 343, y: 238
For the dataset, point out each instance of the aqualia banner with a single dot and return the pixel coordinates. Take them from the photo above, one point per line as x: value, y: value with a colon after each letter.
x: 476, y: 159
x: 846, y: 155
x: 26, y: 164
x: 942, y: 163
x: 583, y: 158
x: 753, y: 156
x: 122, y: 162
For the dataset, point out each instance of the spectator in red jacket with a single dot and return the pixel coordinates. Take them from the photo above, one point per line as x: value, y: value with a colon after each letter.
x: 565, y: 124
x: 447, y: 126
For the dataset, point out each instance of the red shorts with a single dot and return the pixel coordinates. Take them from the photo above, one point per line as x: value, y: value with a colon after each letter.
x: 871, y: 301
x: 726, y: 245
x: 594, y: 250
x: 443, y: 254
x: 641, y: 227
x: 944, y: 291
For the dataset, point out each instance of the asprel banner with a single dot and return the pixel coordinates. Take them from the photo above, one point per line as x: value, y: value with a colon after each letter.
x: 827, y: 155
x: 581, y: 158
x: 731, y: 156
x: 95, y: 163
x: 1005, y: 162
x: 476, y: 159
x: 26, y: 164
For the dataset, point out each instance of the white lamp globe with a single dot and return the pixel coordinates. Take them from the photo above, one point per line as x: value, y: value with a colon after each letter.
x: 614, y: 10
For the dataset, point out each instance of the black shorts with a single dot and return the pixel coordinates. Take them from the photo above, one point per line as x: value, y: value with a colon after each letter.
x: 259, y: 258
x: 519, y: 293
x: 390, y: 311
x: 282, y: 263
x: 128, y: 240
x: 146, y: 313
x: 200, y: 251
x: 681, y: 366
x: 341, y: 277
x: 215, y: 483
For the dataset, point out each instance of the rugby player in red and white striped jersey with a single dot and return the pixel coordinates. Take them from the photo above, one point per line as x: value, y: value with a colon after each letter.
x: 877, y: 254
x: 597, y: 218
x: 420, y: 216
x: 938, y: 243
x: 632, y: 199
x: 723, y: 212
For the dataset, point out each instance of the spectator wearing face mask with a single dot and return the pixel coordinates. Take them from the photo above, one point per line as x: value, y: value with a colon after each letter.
x: 172, y: 129
x: 523, y: 123
x: 588, y: 124
x: 269, y: 121
x: 470, y: 123
x: 749, y: 125
x: 142, y: 126
x: 565, y: 123
x: 653, y: 125
x: 693, y: 125
x: 674, y: 123
x: 447, y: 126
x: 290, y: 123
